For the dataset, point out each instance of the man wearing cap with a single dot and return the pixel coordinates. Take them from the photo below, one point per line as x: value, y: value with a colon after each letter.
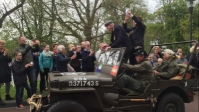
x: 142, y: 77
x: 119, y: 38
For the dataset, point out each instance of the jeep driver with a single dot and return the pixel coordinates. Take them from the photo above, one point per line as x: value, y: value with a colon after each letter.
x: 143, y: 75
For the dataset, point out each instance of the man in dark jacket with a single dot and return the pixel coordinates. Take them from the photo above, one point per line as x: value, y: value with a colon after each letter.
x: 119, y: 38
x: 5, y: 71
x: 26, y: 51
x: 88, y: 58
x: 136, y: 34
x: 76, y: 63
x: 19, y: 70
x: 36, y: 62
x: 62, y: 60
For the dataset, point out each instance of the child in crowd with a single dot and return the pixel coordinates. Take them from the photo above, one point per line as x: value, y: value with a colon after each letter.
x: 20, y: 78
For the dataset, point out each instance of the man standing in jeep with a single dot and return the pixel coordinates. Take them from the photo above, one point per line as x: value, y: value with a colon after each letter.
x: 143, y: 74
x: 119, y: 38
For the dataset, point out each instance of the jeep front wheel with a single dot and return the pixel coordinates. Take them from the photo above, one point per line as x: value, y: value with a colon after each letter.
x: 67, y: 106
x: 170, y: 102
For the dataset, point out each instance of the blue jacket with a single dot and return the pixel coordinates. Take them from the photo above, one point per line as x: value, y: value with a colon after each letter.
x: 62, y: 62
x: 45, y: 62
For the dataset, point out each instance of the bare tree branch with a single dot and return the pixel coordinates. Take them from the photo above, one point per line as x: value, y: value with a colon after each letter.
x: 10, y: 11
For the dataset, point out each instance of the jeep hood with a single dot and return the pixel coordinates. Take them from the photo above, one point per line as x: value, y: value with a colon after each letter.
x: 80, y: 79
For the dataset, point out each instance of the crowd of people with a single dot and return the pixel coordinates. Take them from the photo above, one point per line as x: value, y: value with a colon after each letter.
x: 31, y: 60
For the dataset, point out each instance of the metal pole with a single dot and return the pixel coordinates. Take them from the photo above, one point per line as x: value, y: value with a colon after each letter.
x: 191, y: 13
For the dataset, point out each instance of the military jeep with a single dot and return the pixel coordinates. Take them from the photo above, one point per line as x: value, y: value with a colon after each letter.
x: 96, y: 92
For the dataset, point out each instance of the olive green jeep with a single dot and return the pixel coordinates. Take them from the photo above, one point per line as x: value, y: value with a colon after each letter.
x: 96, y: 92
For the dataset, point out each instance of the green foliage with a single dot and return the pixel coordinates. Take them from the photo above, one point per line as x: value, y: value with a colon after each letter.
x: 171, y: 22
x: 75, y: 21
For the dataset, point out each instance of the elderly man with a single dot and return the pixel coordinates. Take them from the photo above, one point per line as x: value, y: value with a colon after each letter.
x: 88, y: 58
x: 26, y: 51
x: 143, y: 74
x: 62, y: 60
x: 169, y: 67
x: 102, y: 48
x: 119, y: 38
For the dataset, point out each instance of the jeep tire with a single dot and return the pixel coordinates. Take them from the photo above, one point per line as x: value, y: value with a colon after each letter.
x: 170, y: 102
x: 67, y: 105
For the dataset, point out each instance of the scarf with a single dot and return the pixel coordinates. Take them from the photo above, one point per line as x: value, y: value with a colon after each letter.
x: 47, y: 54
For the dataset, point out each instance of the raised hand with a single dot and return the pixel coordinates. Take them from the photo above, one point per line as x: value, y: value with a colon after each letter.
x: 6, y: 52
x: 31, y: 43
x: 129, y: 12
x: 126, y: 18
x: 74, y: 56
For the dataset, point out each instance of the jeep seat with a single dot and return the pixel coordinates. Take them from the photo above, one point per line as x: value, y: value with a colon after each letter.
x: 177, y: 77
x: 182, y: 68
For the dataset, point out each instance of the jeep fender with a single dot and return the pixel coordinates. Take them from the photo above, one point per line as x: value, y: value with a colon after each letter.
x: 87, y: 96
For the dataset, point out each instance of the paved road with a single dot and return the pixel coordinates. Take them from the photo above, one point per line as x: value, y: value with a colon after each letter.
x: 191, y: 107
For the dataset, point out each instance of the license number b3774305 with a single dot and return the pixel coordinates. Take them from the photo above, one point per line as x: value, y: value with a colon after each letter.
x: 83, y: 83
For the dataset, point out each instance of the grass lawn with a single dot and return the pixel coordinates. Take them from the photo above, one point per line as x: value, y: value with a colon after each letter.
x: 13, y: 91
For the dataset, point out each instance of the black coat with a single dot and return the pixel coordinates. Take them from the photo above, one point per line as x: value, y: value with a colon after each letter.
x: 5, y: 71
x: 195, y: 60
x: 87, y: 61
x: 19, y: 72
x: 75, y: 62
x: 62, y: 62
x: 119, y: 38
x: 136, y: 33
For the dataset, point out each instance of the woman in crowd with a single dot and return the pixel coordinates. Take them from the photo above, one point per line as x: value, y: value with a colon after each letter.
x: 5, y: 71
x: 45, y: 65
x: 155, y: 55
x: 62, y: 59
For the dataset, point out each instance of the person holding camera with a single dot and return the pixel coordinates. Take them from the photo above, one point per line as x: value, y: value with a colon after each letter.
x: 62, y: 59
x: 26, y: 51
x: 136, y: 34
x: 75, y: 63
x: 88, y: 58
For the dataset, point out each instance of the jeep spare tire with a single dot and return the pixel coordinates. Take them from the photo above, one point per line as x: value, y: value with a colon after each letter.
x: 67, y: 106
x: 170, y: 102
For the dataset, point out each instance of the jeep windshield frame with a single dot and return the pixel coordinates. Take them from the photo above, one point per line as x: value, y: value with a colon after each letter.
x: 175, y: 43
x: 110, y: 59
